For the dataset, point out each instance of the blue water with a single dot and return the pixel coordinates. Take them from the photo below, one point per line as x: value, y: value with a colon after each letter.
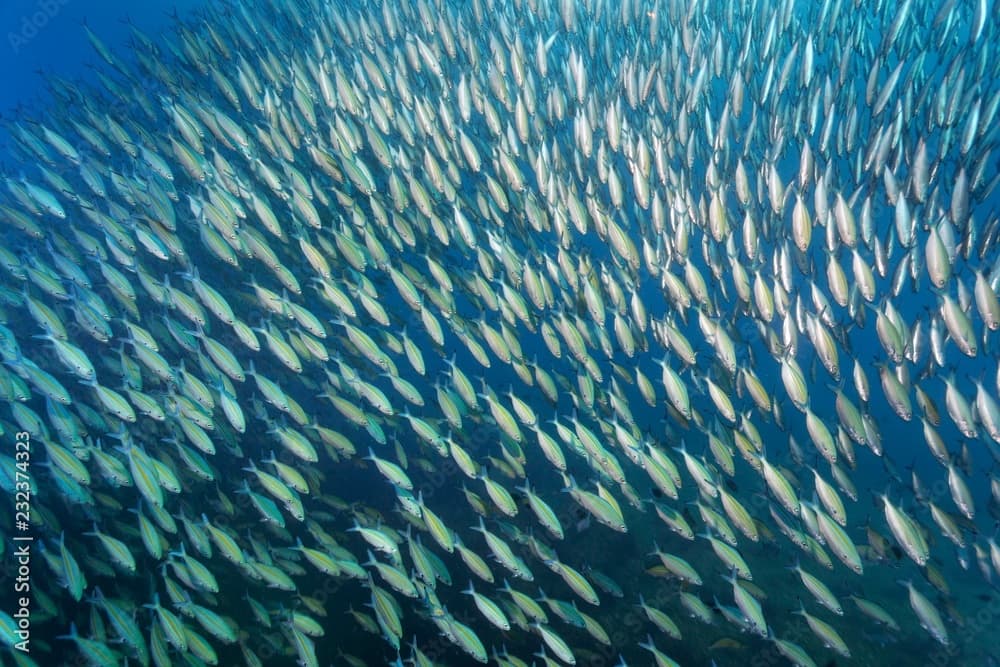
x: 46, y: 36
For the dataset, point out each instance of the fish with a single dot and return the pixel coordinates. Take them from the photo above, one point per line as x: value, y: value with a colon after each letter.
x: 489, y: 609
x: 518, y: 209
x: 819, y: 590
x: 750, y: 607
x: 930, y: 617
x: 906, y: 532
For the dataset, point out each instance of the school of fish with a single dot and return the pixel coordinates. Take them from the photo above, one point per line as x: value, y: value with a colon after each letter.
x: 525, y: 331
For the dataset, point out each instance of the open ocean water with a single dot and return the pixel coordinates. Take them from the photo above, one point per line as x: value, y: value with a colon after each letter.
x: 525, y: 332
